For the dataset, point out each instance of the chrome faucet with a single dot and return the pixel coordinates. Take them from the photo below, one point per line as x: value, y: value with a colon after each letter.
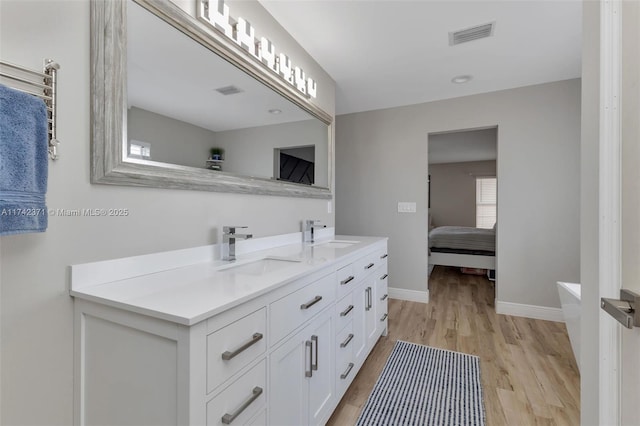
x: 308, y: 234
x: 229, y: 239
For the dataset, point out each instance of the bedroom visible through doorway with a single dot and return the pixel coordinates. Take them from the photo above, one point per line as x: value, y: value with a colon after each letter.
x: 463, y: 192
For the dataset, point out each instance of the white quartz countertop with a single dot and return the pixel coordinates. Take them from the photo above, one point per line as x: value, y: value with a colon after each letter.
x: 194, y: 292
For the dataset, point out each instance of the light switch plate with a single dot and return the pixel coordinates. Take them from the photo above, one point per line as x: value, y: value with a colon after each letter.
x: 406, y: 207
x: 329, y: 206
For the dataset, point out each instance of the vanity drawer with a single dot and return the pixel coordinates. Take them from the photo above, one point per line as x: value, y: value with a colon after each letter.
x: 345, y: 363
x: 242, y: 400
x: 293, y: 310
x: 231, y: 348
x: 382, y: 256
x: 345, y: 311
x: 367, y: 264
x: 346, y: 279
x: 344, y: 345
x: 382, y: 294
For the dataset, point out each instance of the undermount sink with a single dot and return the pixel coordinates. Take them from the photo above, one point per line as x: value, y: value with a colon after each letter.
x: 260, y: 266
x: 337, y: 244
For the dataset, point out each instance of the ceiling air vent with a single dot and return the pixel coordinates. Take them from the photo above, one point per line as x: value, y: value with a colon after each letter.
x: 470, y: 34
x: 229, y: 90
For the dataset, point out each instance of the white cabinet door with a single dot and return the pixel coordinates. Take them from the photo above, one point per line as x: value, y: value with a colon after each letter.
x: 321, y: 383
x: 301, y: 375
x: 360, y: 298
x: 288, y: 385
x: 370, y: 308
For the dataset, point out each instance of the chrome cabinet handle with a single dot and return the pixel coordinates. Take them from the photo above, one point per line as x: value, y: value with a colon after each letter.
x: 368, y: 298
x: 346, y: 311
x: 347, y: 340
x: 384, y: 277
x: 347, y: 281
x: 227, y: 355
x: 384, y: 297
x: 315, y: 339
x: 228, y: 418
x: 346, y: 373
x: 369, y: 266
x: 311, y: 303
x: 384, y: 256
x: 384, y: 317
x: 309, y: 345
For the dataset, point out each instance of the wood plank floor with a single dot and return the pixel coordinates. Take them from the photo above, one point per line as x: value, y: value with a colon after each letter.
x: 529, y: 374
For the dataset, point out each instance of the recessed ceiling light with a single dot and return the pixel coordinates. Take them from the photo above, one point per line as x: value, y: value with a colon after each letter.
x: 275, y: 111
x: 459, y: 79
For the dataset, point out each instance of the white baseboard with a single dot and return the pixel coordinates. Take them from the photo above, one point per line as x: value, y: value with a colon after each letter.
x: 529, y: 311
x: 410, y: 295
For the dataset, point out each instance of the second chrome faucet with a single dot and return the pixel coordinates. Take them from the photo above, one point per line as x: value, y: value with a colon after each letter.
x: 229, y: 241
x: 308, y: 230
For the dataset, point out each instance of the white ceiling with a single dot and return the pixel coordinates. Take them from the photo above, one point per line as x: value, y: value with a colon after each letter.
x: 184, y: 87
x: 464, y: 146
x: 390, y: 53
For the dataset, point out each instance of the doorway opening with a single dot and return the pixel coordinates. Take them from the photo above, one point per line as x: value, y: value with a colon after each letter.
x: 295, y: 164
x: 463, y: 201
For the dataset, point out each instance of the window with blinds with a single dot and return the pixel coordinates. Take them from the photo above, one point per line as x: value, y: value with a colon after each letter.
x: 486, y: 202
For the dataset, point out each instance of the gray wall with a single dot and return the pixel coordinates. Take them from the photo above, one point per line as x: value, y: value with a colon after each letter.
x: 36, y: 322
x: 172, y: 141
x: 382, y: 159
x: 453, y: 191
x: 589, y: 208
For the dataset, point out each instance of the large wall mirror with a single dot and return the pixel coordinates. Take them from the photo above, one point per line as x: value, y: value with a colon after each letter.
x: 177, y: 105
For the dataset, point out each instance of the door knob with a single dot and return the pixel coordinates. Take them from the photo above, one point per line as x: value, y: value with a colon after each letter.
x: 625, y: 310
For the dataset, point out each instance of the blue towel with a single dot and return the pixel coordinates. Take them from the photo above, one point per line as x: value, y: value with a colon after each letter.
x: 24, y: 162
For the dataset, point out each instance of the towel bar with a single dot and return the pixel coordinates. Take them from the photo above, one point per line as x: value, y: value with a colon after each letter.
x: 40, y: 84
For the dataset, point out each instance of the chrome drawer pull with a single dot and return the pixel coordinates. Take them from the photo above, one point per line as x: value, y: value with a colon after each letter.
x: 346, y: 373
x: 228, y: 418
x: 346, y: 311
x: 384, y: 256
x: 369, y: 266
x: 309, y: 373
x: 229, y: 355
x: 346, y: 342
x: 315, y: 339
x: 311, y: 303
x: 384, y: 297
x: 384, y: 317
x: 384, y: 277
x: 347, y: 281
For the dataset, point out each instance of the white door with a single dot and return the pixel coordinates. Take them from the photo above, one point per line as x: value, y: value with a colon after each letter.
x: 321, y: 386
x: 630, y: 134
x: 288, y: 386
x: 359, y: 323
x: 620, y: 347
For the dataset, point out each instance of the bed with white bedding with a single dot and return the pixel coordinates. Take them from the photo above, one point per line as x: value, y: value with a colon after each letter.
x: 462, y: 246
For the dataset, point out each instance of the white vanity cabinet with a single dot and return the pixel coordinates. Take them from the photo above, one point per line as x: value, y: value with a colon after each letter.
x: 283, y: 357
x: 361, y: 314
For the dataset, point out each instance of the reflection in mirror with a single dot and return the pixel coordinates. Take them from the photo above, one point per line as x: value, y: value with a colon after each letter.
x: 183, y: 100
